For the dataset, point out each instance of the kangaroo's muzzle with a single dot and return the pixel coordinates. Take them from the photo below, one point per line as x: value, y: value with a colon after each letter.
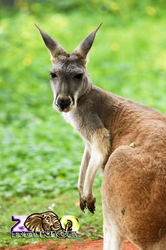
x: 63, y: 102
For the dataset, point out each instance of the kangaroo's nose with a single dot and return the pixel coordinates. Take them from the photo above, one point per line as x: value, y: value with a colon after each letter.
x: 63, y: 102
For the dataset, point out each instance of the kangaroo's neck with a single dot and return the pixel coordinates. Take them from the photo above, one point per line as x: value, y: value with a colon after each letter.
x: 98, y: 109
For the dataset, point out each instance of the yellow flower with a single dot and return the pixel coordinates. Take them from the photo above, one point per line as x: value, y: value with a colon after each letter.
x: 114, y: 6
x: 28, y: 60
x: 150, y: 10
x: 115, y: 47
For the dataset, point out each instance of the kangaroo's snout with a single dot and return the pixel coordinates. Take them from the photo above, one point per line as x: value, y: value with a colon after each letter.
x: 63, y: 102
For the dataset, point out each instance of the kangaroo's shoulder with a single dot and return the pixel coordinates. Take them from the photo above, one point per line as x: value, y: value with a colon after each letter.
x: 108, y: 97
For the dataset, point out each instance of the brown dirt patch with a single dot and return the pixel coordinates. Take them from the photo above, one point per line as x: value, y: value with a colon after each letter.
x: 72, y: 245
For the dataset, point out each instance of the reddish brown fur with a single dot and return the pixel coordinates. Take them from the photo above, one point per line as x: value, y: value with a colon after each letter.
x: 134, y: 182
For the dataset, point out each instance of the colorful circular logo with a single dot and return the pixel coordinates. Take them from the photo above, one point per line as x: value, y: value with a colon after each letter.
x: 73, y: 222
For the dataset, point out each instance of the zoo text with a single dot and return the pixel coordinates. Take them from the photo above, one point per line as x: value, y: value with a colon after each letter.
x: 46, y: 234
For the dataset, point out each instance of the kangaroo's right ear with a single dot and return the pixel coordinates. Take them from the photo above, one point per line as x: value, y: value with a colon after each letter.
x: 54, y: 48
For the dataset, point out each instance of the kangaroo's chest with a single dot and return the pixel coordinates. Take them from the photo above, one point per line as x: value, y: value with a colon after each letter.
x: 76, y: 122
x: 69, y: 118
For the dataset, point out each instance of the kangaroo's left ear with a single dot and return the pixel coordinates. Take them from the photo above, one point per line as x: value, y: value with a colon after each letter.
x: 54, y: 48
x: 85, y: 46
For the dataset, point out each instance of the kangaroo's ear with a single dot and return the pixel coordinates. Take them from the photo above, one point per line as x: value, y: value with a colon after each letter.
x: 54, y: 48
x: 85, y: 46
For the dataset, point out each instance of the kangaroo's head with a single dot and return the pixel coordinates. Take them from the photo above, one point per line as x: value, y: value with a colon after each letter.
x: 69, y: 77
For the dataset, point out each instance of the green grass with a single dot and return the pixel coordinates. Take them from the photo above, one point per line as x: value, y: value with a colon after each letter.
x: 65, y: 204
x: 40, y: 153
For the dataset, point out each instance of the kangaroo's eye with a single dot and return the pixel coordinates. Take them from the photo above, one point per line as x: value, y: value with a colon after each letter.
x: 53, y: 75
x: 78, y: 76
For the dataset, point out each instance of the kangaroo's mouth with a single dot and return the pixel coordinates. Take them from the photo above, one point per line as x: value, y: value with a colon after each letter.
x: 64, y: 110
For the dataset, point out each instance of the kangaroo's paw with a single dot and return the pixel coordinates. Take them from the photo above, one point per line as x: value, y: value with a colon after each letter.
x: 82, y: 204
x: 91, y: 206
x: 88, y: 202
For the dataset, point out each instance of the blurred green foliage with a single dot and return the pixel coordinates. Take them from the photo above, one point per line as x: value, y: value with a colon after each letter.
x: 39, y: 153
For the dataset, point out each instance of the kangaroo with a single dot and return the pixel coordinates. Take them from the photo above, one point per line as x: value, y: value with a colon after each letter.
x: 125, y: 139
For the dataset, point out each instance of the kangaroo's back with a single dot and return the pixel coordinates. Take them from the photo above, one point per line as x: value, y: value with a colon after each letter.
x: 134, y: 193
